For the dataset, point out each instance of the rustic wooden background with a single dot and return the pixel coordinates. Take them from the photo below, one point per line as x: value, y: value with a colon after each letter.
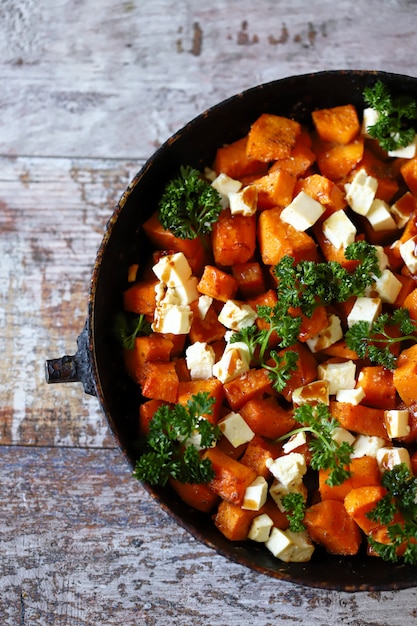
x: 88, y: 91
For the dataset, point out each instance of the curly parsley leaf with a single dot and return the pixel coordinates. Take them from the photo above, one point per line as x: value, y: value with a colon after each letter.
x: 129, y: 326
x: 189, y: 205
x: 327, y: 454
x: 399, y: 502
x: 394, y: 127
x: 172, y: 448
x: 374, y: 341
x: 295, y: 506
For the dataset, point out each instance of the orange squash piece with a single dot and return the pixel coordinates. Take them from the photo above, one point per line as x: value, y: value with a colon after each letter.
x: 231, y: 478
x: 217, y: 284
x: 250, y: 278
x: 272, y: 137
x: 150, y: 348
x: 233, y: 239
x: 364, y: 471
x: 233, y: 521
x: 329, y: 524
x: 338, y: 124
x: 159, y: 381
x: 378, y: 385
x: 306, y: 370
x: 140, y: 298
x: 274, y: 189
x: 409, y: 173
x: 324, y: 190
x: 361, y: 501
x: 360, y: 419
x: 277, y: 239
x: 336, y: 161
x: 212, y: 386
x: 234, y: 161
x: 257, y: 452
x: 247, y: 386
x: 197, y: 495
x: 405, y: 375
x: 266, y: 417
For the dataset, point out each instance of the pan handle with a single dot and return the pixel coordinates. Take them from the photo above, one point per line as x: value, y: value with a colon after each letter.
x: 75, y: 368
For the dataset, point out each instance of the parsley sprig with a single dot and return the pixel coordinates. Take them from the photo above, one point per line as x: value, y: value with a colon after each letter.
x: 129, y: 326
x: 295, y: 506
x: 326, y: 453
x: 401, y: 485
x: 373, y: 340
x: 394, y: 126
x: 177, y: 433
x: 189, y: 205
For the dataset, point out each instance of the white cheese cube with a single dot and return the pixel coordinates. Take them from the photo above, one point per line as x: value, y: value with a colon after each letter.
x: 200, y: 358
x: 408, y: 251
x: 379, y: 216
x: 365, y: 445
x: 277, y: 491
x: 289, y: 546
x: 182, y: 294
x: 237, y: 315
x: 289, y: 469
x: 173, y: 269
x: 396, y: 422
x: 389, y: 457
x: 224, y: 184
x: 314, y: 392
x: 303, y: 212
x: 172, y: 318
x: 339, y: 375
x: 403, y: 207
x: 235, y: 429
x: 204, y: 303
x: 235, y: 361
x: 255, y: 494
x: 294, y: 442
x: 382, y: 257
x: 351, y: 396
x: 243, y: 202
x: 407, y: 152
x: 370, y: 118
x: 260, y: 528
x: 341, y: 435
x: 339, y: 229
x: 328, y: 336
x: 364, y: 309
x: 388, y: 286
x: 360, y: 193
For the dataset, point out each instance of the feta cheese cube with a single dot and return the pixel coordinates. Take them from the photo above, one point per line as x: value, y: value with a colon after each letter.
x: 173, y: 269
x: 225, y: 185
x: 382, y: 257
x: 407, y: 152
x: 181, y: 294
x: 203, y: 305
x: 389, y: 457
x: 317, y: 391
x: 277, y: 491
x: 341, y: 435
x: 396, y: 422
x: 235, y: 429
x: 408, y: 251
x: 338, y: 375
x: 388, y: 286
x: 351, y: 396
x: 290, y: 546
x: 289, y: 469
x: 360, y: 193
x: 294, y: 442
x: 235, y: 361
x: 328, y: 336
x: 364, y: 309
x: 172, y: 318
x: 365, y: 445
x: 244, y: 202
x: 260, y: 528
x: 379, y: 216
x: 255, y: 494
x: 237, y: 315
x: 200, y: 358
x: 339, y: 229
x: 370, y: 118
x: 303, y: 212
x: 403, y: 208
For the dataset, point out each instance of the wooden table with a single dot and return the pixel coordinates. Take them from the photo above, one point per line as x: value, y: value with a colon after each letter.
x: 88, y: 91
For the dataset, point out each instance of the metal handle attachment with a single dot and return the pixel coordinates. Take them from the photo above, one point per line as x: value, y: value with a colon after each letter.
x: 73, y: 369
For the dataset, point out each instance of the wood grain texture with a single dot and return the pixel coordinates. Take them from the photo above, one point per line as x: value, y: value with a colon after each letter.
x: 88, y: 92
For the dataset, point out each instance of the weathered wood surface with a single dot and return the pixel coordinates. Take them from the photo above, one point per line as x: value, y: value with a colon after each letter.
x: 89, y: 90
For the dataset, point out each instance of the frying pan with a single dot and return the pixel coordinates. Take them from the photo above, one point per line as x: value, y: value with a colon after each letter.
x: 98, y: 362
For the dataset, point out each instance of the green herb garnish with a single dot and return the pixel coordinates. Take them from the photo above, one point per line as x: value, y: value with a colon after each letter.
x: 176, y: 436
x: 373, y: 341
x: 189, y: 205
x: 129, y: 326
x: 326, y: 453
x: 401, y: 485
x: 295, y: 506
x: 394, y: 126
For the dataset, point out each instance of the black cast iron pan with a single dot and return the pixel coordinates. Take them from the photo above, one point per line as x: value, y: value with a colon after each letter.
x: 98, y: 363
